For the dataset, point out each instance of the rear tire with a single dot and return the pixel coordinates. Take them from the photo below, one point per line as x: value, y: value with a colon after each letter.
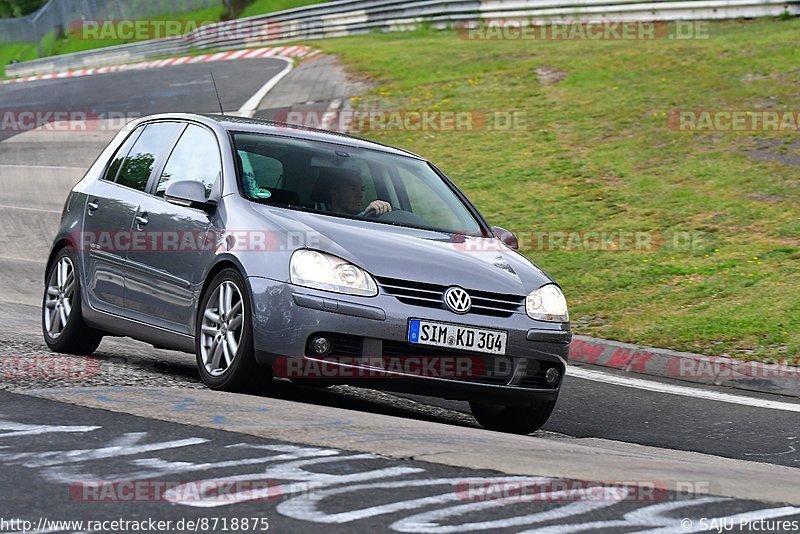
x: 512, y: 419
x: 224, y: 336
x: 63, y: 326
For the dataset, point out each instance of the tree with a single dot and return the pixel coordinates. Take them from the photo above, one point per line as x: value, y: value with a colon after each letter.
x: 18, y: 8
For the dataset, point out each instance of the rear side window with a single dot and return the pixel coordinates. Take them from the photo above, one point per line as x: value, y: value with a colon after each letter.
x: 196, y: 158
x: 153, y: 142
x: 119, y: 157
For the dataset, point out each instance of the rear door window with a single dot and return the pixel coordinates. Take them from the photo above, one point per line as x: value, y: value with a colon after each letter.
x: 119, y: 157
x: 146, y: 154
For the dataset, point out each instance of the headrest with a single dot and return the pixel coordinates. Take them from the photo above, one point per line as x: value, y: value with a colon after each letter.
x: 329, y: 178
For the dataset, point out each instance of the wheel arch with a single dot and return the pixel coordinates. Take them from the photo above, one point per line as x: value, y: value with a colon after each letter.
x: 57, y: 247
x: 222, y: 263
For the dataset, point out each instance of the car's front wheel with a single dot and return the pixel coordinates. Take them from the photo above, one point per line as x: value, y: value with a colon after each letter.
x: 224, y: 336
x: 512, y: 419
x: 62, y: 320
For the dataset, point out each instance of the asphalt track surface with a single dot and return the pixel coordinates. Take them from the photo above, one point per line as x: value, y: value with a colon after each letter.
x: 37, y: 169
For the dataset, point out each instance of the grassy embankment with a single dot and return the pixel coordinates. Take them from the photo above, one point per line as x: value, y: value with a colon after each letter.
x: 597, y: 156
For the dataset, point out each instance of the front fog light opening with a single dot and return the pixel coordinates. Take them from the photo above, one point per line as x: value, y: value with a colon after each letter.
x: 551, y: 376
x: 321, y: 346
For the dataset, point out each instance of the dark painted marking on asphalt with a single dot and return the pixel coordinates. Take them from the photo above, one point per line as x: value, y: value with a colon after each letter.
x: 75, y: 459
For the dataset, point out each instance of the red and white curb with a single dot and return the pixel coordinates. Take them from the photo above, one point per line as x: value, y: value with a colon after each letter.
x: 250, y: 53
x: 781, y: 377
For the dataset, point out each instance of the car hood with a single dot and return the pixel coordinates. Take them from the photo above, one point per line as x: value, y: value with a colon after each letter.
x: 406, y: 253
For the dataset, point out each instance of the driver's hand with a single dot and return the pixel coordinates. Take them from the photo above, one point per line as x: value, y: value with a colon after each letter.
x: 379, y: 207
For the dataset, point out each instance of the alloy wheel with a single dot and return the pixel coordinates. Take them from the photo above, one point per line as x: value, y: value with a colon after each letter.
x: 221, y: 329
x: 60, y: 291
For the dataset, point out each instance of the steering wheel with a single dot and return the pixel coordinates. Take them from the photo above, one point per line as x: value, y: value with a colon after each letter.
x: 371, y: 214
x: 398, y: 216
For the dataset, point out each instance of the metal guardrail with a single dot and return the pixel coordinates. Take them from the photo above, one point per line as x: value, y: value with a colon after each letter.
x: 348, y: 17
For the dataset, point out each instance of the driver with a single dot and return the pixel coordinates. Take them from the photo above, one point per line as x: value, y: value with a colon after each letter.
x: 347, y: 197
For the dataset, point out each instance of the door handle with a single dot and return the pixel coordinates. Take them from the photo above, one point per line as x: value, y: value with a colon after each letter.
x: 92, y: 206
x: 141, y: 220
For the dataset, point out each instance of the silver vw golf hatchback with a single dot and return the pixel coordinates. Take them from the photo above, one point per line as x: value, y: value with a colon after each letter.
x: 274, y: 251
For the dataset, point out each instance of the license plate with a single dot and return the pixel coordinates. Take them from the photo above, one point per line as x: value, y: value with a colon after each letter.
x: 457, y: 337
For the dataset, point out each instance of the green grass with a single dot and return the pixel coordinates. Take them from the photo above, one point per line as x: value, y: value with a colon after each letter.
x: 16, y: 52
x: 259, y: 7
x: 597, y: 156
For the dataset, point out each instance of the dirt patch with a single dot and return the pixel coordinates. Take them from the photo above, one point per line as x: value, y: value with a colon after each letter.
x: 775, y: 150
x: 755, y: 77
x: 790, y: 160
x: 770, y: 199
x: 550, y: 75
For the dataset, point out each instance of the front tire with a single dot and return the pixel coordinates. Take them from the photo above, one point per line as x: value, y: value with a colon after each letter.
x: 224, y: 336
x: 311, y: 383
x: 62, y: 319
x: 512, y: 419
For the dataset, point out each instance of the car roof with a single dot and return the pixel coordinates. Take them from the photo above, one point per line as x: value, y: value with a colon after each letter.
x: 244, y: 124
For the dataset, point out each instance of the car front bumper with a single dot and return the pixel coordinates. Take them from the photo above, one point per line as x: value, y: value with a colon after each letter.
x: 369, y: 336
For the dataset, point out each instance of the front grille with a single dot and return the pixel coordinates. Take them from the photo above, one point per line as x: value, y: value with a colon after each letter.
x: 432, y: 296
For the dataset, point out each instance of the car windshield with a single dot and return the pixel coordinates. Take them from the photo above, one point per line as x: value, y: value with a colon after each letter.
x: 349, y: 182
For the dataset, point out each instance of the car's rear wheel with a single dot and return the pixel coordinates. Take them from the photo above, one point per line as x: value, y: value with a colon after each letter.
x: 512, y: 419
x: 224, y: 338
x: 62, y: 319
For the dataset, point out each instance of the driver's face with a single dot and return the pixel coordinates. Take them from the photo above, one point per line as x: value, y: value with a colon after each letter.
x: 348, y: 197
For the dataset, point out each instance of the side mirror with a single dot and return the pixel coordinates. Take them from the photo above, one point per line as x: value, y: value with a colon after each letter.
x: 190, y: 194
x: 506, y: 237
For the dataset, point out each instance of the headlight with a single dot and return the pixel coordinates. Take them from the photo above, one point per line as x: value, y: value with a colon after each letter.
x: 310, y: 268
x: 547, y: 304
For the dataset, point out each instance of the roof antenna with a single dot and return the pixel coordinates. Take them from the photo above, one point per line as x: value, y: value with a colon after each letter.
x: 222, y: 111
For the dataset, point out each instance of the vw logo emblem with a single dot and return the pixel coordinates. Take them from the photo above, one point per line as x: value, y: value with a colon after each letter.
x: 457, y: 300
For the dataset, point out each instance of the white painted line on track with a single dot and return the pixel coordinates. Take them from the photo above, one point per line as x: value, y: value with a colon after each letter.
x: 7, y: 207
x: 697, y: 393
x: 82, y: 169
x: 250, y: 107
